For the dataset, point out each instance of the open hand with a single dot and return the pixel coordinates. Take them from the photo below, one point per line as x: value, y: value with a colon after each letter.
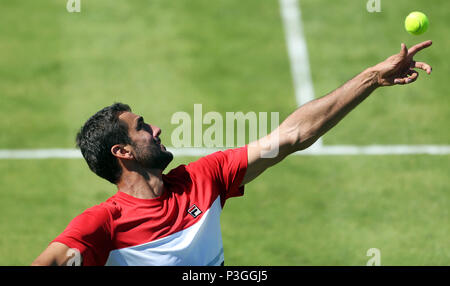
x: 399, y: 68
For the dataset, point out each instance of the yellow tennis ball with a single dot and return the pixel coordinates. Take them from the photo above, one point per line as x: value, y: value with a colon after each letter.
x: 416, y: 23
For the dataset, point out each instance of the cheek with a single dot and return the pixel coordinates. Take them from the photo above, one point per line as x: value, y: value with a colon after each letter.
x: 142, y: 139
x: 147, y: 138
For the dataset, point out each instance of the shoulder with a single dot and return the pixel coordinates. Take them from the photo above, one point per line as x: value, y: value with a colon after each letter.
x: 221, y: 162
x: 97, y: 217
x: 106, y: 210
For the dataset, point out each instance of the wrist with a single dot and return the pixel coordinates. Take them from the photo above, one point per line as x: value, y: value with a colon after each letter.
x: 371, y: 77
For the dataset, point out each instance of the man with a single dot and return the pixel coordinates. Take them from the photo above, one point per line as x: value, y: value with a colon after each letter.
x: 174, y: 219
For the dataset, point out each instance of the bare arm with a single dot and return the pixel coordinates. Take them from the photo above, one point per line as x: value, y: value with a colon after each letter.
x: 56, y: 254
x: 309, y: 122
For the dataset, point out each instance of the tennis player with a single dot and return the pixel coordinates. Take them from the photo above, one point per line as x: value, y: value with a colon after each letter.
x: 174, y: 218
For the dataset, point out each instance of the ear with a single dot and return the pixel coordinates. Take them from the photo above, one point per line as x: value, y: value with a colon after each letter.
x: 122, y: 151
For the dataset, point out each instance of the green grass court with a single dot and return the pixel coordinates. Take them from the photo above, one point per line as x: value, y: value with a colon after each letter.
x: 161, y: 57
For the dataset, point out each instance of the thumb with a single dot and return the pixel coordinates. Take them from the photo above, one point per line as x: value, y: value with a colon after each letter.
x: 403, y: 51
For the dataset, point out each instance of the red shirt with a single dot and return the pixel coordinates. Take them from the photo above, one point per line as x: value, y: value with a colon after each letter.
x: 180, y: 227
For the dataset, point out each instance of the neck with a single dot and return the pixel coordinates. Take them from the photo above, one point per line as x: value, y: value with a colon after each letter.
x: 147, y: 184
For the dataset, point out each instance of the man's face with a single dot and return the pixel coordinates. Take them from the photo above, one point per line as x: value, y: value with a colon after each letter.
x: 147, y: 148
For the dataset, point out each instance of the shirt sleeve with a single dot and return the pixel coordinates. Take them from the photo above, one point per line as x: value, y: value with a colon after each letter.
x: 90, y: 234
x: 226, y: 168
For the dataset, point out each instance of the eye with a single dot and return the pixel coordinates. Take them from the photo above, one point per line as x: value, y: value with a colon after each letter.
x: 147, y: 128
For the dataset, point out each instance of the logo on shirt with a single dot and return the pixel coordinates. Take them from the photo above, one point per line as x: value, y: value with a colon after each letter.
x: 194, y: 211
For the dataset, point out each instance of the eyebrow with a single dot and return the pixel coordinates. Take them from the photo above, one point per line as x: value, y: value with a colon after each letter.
x: 139, y: 120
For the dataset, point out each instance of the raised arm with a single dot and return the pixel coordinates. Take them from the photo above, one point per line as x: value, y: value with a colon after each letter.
x: 310, y: 121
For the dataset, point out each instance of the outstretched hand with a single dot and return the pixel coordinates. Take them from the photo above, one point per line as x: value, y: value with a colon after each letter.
x: 399, y: 68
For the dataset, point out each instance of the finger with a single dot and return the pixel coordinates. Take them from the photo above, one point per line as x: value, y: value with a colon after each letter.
x: 414, y: 49
x: 412, y: 76
x: 409, y: 77
x: 400, y: 80
x: 423, y: 66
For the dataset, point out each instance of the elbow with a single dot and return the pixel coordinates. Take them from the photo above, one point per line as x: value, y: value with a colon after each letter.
x: 305, y: 144
x: 300, y: 136
x: 305, y: 137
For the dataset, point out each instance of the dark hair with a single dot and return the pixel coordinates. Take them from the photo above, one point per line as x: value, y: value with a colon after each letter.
x: 95, y: 139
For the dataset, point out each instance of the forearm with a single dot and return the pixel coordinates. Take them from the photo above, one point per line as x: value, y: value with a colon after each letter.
x: 310, y: 121
x: 56, y: 254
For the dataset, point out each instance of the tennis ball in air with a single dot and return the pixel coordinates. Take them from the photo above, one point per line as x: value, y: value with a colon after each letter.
x: 416, y: 23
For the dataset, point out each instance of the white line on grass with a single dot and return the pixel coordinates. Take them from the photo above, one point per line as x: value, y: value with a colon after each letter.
x: 40, y: 154
x: 378, y: 150
x: 198, y: 152
x: 297, y: 51
x: 298, y: 54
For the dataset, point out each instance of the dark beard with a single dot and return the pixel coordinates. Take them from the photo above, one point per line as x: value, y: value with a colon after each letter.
x: 152, y: 157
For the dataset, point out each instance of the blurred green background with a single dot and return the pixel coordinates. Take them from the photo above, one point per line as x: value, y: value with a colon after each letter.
x: 160, y: 57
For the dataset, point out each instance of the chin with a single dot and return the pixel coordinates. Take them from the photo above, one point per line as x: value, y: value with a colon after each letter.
x: 162, y: 159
